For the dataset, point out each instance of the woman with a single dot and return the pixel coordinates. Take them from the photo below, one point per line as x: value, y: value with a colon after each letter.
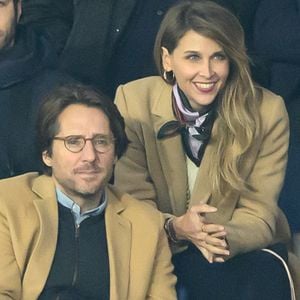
x: 209, y: 147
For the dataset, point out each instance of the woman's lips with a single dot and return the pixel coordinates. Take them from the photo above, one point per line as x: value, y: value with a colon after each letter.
x: 205, y: 87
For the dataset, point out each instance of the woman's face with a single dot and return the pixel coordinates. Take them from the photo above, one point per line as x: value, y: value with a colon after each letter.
x: 200, y: 66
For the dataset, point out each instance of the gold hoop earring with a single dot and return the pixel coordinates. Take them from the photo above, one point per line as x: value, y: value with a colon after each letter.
x: 169, y: 76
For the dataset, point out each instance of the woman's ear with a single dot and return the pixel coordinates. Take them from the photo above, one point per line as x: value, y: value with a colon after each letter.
x: 166, y: 59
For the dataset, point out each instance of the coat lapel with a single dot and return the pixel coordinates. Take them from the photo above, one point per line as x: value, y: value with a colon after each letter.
x: 173, y: 159
x: 202, y: 188
x: 118, y: 232
x: 43, y: 253
x: 171, y: 154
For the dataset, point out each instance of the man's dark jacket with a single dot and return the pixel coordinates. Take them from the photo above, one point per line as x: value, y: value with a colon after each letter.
x: 24, y: 80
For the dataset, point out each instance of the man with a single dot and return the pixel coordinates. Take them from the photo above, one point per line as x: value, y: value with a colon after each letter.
x: 67, y: 234
x: 102, y: 42
x: 24, y: 78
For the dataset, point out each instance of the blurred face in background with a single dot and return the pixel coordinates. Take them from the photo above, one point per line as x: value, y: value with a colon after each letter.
x: 9, y: 16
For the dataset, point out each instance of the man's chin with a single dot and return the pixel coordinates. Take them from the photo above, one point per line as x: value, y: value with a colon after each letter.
x: 89, y: 177
x: 89, y: 188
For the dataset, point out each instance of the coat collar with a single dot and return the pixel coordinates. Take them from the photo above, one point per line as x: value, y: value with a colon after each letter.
x: 42, y: 254
x: 118, y: 231
x: 171, y: 150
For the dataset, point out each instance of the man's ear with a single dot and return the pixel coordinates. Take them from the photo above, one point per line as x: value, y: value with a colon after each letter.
x: 47, y: 158
x: 166, y: 59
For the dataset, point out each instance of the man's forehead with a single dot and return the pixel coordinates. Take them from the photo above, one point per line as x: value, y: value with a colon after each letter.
x: 83, y: 117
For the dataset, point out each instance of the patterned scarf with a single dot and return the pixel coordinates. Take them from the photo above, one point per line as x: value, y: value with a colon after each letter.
x: 195, y: 129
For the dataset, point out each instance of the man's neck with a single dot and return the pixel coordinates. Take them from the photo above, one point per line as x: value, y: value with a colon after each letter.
x: 86, y: 202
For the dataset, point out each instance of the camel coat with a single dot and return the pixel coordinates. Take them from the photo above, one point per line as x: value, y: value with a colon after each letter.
x: 139, y: 256
x: 158, y: 169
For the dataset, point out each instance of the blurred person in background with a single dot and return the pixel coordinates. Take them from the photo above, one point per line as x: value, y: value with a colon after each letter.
x: 25, y: 77
x: 102, y: 42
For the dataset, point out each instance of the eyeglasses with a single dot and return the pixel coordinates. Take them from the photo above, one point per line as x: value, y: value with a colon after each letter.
x: 75, y: 143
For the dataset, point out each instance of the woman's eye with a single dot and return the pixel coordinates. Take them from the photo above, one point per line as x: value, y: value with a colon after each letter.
x: 193, y: 57
x: 220, y: 56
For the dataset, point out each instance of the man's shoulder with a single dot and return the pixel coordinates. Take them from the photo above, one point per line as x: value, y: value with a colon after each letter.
x: 16, y: 191
x: 24, y: 180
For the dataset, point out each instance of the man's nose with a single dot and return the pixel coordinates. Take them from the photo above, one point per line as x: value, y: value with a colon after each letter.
x: 89, y: 152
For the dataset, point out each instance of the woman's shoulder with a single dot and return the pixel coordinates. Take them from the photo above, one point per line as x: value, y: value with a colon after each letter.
x: 145, y: 81
x: 144, y: 86
x: 269, y: 97
x: 272, y: 109
x: 271, y: 101
x: 140, y: 97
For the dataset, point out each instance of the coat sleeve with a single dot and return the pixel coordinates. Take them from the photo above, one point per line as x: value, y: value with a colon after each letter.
x: 10, y: 277
x: 254, y: 222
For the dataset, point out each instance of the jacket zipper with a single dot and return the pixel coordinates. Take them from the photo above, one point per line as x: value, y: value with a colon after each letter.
x: 75, y: 274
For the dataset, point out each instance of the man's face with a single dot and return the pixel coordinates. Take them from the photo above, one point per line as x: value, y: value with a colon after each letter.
x: 81, y: 175
x: 9, y: 17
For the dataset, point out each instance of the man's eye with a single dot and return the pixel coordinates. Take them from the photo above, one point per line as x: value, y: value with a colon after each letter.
x: 3, y: 3
x: 74, y: 141
x: 101, y: 141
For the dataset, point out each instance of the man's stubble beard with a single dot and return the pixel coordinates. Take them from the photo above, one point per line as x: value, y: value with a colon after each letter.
x: 9, y: 38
